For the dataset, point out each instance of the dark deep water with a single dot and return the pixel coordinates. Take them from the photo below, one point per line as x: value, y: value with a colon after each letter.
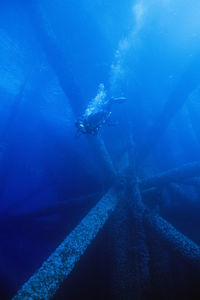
x: 53, y: 56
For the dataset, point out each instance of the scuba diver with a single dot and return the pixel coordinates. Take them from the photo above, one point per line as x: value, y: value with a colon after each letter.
x: 98, y: 112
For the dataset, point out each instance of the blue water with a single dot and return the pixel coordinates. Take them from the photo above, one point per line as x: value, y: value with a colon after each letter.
x: 53, y: 56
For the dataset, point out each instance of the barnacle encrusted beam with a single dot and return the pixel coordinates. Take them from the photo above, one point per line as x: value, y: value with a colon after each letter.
x: 47, y: 280
x: 130, y: 265
x: 142, y: 256
x: 174, y: 175
x: 174, y: 239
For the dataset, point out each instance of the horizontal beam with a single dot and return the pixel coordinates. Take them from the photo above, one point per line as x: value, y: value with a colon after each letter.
x: 47, y: 280
x: 194, y: 181
x: 173, y: 175
x: 60, y: 208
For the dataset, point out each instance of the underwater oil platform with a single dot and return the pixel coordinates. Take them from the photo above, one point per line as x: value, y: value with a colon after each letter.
x: 142, y: 244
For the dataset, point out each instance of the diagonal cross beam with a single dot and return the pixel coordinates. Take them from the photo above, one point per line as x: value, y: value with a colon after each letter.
x: 174, y: 239
x: 48, y: 279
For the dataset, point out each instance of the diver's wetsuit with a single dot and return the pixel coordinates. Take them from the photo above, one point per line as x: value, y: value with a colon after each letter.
x: 93, y: 123
x: 96, y: 114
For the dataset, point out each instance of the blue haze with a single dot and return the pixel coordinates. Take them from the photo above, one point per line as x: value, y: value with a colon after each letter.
x: 138, y: 49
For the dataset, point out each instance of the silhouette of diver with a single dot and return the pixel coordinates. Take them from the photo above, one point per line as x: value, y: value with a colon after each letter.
x: 97, y: 113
